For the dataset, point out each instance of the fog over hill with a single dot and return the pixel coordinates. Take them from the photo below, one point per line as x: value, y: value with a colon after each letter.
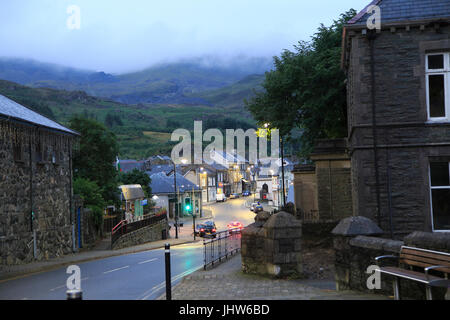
x: 178, y: 82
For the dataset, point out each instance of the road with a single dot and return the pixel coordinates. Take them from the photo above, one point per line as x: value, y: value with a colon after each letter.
x: 137, y: 276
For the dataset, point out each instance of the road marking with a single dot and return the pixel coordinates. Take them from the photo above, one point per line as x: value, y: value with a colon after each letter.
x: 65, y: 285
x: 160, y: 286
x: 146, y: 261
x: 115, y: 269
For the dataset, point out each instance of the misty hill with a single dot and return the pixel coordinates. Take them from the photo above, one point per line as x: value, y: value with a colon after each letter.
x: 178, y: 83
x: 142, y: 129
x: 232, y: 96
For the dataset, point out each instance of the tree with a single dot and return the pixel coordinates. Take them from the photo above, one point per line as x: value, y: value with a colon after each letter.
x: 307, y: 88
x: 92, y: 197
x: 94, y: 156
x: 137, y: 177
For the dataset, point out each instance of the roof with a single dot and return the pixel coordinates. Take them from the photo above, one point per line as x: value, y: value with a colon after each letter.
x: 161, y: 183
x: 12, y: 110
x: 132, y: 191
x: 130, y: 165
x: 404, y: 11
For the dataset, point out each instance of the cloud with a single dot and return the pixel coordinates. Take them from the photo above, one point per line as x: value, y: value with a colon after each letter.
x: 118, y: 36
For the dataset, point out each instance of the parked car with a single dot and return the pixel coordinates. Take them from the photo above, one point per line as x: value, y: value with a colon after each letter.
x: 258, y: 208
x: 246, y: 193
x: 253, y: 205
x: 205, y: 229
x: 234, y: 195
x: 220, y: 197
x: 235, y: 226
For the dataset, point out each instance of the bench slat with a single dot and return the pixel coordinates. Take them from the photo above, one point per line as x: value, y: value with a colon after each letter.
x: 441, y: 256
x: 430, y: 261
x: 423, y: 265
x: 408, y: 274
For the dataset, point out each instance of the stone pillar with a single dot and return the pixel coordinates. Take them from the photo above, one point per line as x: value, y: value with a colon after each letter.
x: 343, y: 233
x: 282, y: 235
x: 333, y: 176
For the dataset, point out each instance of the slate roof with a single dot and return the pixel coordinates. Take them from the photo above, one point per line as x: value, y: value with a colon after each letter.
x: 12, y: 110
x: 405, y: 11
x: 161, y: 183
x: 130, y: 165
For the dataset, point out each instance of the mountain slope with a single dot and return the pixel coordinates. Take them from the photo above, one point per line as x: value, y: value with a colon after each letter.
x: 164, y: 83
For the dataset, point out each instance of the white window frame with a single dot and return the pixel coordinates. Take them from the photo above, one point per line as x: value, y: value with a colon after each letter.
x: 446, y: 72
x: 431, y: 198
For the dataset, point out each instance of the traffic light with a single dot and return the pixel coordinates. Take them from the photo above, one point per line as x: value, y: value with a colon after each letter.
x: 187, y: 205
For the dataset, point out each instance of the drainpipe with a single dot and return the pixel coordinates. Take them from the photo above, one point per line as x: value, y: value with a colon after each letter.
x: 371, y: 35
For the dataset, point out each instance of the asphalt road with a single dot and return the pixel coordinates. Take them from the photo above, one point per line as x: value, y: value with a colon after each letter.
x: 137, y: 276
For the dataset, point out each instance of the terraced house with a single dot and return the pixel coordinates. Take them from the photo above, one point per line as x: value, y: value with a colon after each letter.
x: 35, y: 185
x: 399, y: 114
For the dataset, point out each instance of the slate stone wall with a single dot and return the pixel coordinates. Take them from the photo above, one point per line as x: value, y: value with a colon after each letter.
x: 405, y: 141
x: 354, y: 254
x: 47, y: 184
x: 146, y: 234
x: 272, y: 245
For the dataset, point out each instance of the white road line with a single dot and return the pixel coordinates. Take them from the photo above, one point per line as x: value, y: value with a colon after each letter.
x: 115, y: 269
x: 160, y: 286
x: 146, y: 261
x: 65, y: 285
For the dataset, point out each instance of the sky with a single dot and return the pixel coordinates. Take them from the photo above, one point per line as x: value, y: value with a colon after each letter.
x: 129, y: 35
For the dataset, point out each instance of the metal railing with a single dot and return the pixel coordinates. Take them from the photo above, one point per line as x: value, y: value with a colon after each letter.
x: 123, y: 227
x: 220, y: 245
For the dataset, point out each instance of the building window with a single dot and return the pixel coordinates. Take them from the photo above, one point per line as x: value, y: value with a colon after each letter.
x: 440, y: 195
x: 438, y: 86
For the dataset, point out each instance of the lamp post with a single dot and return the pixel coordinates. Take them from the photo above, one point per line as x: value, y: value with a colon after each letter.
x: 176, y: 199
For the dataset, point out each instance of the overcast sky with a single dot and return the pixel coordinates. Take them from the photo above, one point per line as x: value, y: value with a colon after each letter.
x: 124, y: 35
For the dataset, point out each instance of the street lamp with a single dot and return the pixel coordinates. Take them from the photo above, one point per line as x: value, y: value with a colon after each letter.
x: 184, y: 161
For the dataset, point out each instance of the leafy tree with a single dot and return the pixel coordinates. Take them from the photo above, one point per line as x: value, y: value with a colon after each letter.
x: 95, y: 155
x: 137, y: 177
x: 307, y: 88
x: 91, y: 194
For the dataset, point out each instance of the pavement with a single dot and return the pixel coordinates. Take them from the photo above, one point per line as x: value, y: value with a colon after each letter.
x: 226, y: 281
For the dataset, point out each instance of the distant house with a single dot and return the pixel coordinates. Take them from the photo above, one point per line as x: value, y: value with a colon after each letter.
x: 398, y: 80
x: 129, y: 165
x: 36, y: 201
x: 132, y: 197
x: 164, y: 195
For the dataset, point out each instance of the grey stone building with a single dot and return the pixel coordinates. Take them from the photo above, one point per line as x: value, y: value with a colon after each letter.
x: 398, y: 79
x: 35, y: 185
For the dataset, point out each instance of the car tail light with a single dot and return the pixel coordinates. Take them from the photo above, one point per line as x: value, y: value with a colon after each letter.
x: 202, y: 229
x: 213, y: 230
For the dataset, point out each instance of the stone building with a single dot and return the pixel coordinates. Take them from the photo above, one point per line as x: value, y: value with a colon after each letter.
x: 323, y: 189
x: 35, y: 185
x: 398, y: 81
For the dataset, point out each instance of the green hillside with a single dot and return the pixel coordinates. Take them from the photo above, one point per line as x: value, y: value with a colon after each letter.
x: 142, y: 129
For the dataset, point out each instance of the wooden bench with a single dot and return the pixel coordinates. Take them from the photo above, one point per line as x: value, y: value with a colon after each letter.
x: 425, y: 260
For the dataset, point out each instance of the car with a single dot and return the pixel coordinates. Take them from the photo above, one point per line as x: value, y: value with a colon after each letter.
x: 253, y: 205
x: 246, y: 193
x: 234, y: 195
x: 235, y: 226
x: 258, y: 208
x: 220, y: 197
x: 206, y: 229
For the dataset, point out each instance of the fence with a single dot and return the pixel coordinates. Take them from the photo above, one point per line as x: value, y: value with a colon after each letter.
x: 109, y: 222
x: 123, y: 227
x: 220, y: 246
